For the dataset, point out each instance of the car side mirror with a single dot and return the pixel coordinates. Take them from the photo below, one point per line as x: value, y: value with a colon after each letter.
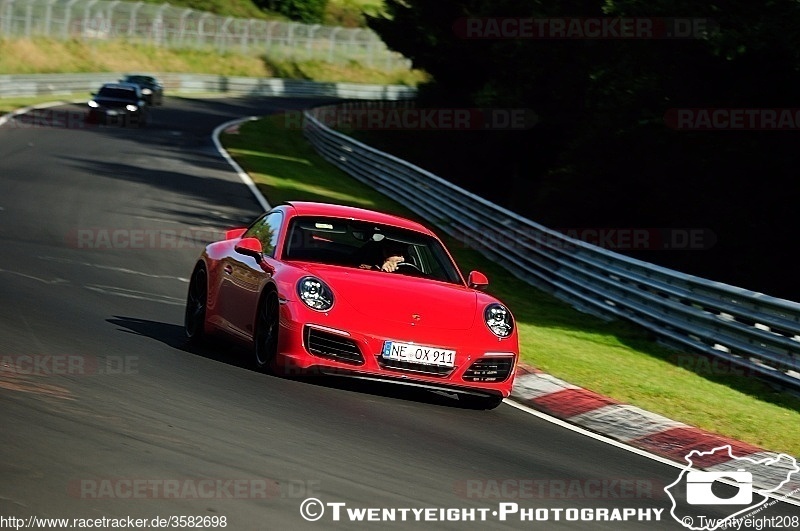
x: 250, y: 247
x: 232, y: 234
x: 477, y: 280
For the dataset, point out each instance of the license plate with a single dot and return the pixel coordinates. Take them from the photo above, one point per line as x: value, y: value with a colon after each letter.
x: 112, y: 113
x: 411, y: 353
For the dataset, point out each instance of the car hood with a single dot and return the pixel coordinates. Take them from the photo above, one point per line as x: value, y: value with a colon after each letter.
x: 401, y: 299
x: 114, y: 102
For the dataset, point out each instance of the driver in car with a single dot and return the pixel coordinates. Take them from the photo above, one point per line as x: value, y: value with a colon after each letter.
x: 391, y: 255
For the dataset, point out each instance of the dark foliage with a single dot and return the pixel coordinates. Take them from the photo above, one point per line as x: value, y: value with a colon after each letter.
x: 606, y: 152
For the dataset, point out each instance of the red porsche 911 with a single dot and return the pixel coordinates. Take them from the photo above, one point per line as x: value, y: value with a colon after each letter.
x: 348, y: 291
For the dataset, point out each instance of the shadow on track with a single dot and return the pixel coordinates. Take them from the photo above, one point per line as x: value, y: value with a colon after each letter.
x: 239, y: 356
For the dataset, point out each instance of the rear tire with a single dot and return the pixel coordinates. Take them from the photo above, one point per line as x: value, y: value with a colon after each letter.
x: 194, y: 320
x: 266, y: 336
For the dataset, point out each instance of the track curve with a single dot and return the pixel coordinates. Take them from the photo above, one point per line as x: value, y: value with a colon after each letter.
x: 107, y: 412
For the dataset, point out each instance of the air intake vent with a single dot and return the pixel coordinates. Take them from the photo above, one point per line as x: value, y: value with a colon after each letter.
x: 328, y: 345
x: 494, y: 369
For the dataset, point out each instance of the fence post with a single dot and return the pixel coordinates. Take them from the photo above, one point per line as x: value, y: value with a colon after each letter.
x: 110, y: 16
x: 246, y: 36
x: 201, y: 29
x: 132, y: 23
x: 87, y: 11
x: 182, y: 30
x: 68, y: 19
x: 8, y: 17
x: 222, y: 36
x: 159, y: 32
x: 48, y: 16
x: 333, y: 43
x: 310, y: 40
x: 28, y: 19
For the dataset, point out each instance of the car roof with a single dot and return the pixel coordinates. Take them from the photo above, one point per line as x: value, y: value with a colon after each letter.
x: 311, y: 208
x: 139, y: 76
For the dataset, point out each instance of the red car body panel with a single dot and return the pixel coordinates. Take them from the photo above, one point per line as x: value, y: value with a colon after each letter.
x: 370, y: 307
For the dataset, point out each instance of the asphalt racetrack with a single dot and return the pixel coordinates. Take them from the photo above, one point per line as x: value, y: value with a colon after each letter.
x: 106, y: 413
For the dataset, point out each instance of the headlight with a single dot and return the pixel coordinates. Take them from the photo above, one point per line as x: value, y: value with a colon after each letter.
x: 147, y: 91
x: 315, y: 293
x: 93, y: 104
x: 498, y: 319
x: 131, y: 108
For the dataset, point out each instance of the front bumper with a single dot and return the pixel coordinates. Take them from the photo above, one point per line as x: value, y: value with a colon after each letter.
x: 484, y: 365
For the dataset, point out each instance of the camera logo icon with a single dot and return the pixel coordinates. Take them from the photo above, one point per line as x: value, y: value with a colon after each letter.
x: 698, y: 488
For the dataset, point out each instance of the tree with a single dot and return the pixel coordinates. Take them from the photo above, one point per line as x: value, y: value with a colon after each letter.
x: 604, y: 152
x: 306, y: 11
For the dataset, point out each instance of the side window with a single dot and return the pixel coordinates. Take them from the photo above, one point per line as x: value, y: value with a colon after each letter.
x: 267, y: 229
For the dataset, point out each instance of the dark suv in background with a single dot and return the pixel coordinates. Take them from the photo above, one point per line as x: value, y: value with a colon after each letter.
x: 152, y: 90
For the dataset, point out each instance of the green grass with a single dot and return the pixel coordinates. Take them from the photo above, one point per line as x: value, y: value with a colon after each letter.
x: 42, y: 55
x: 614, y: 359
x: 11, y: 104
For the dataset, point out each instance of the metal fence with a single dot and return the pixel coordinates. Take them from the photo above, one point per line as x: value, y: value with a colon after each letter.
x: 164, y: 25
x: 752, y: 331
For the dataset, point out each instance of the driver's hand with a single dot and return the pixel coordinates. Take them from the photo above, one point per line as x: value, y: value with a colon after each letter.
x: 390, y: 265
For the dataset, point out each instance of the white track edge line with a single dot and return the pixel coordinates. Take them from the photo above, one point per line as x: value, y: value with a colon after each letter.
x: 618, y: 444
x: 246, y: 179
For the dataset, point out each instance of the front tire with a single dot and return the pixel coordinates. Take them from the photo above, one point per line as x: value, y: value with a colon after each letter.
x: 194, y: 320
x: 266, y: 336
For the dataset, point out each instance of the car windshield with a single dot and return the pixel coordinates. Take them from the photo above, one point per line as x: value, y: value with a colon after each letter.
x: 140, y: 80
x: 365, y: 245
x: 117, y: 93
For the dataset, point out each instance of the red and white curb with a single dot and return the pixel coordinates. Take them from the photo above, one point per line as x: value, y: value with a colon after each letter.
x: 642, y: 429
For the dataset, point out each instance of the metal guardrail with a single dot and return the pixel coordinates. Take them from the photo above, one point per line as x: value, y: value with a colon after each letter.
x: 167, y: 26
x: 753, y: 331
x: 55, y: 84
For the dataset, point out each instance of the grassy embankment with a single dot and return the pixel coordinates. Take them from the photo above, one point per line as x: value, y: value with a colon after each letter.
x: 34, y: 56
x: 610, y: 358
